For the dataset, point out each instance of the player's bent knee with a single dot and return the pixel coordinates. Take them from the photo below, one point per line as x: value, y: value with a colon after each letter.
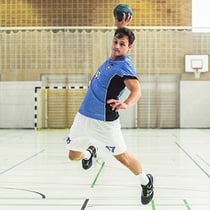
x: 123, y: 158
x: 73, y: 155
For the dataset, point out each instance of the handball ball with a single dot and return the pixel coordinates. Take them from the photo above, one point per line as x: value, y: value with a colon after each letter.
x: 120, y: 9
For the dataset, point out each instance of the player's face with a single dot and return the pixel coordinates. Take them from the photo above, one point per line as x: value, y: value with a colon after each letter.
x: 120, y: 47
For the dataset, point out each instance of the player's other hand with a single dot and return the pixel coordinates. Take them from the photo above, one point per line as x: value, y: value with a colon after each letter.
x: 116, y: 104
x: 124, y: 22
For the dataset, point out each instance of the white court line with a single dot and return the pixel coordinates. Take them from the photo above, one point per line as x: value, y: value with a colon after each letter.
x: 21, y: 162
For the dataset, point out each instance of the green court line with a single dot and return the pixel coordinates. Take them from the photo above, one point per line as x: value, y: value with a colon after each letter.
x: 186, y: 204
x: 98, y: 174
x: 153, y: 205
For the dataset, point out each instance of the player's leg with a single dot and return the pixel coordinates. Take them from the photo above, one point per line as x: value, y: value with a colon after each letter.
x: 86, y: 156
x: 89, y: 154
x: 78, y: 142
x: 117, y: 146
x: 147, y: 191
x: 130, y: 162
x: 146, y: 180
x: 75, y: 155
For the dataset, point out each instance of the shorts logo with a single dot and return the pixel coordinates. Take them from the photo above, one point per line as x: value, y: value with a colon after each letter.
x: 68, y: 140
x: 111, y: 148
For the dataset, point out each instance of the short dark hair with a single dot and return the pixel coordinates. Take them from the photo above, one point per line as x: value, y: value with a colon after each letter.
x: 121, y: 32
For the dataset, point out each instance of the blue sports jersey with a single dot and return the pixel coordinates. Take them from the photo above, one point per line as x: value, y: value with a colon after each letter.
x: 107, y: 83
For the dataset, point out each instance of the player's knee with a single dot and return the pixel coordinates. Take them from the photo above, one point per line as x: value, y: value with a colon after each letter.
x: 75, y: 155
x: 71, y: 157
x: 123, y: 158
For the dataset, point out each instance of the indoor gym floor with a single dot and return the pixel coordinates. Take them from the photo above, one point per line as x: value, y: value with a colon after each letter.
x: 35, y: 172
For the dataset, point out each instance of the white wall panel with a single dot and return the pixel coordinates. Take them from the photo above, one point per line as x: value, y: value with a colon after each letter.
x: 195, y: 104
x: 17, y: 104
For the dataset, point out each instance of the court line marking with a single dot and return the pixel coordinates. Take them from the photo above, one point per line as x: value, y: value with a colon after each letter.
x: 94, y: 205
x: 97, y: 175
x: 153, y: 205
x: 93, y: 184
x: 85, y: 204
x: 186, y: 204
x: 38, y: 204
x: 192, y: 159
x: 203, y: 160
x: 19, y: 189
x: 21, y: 162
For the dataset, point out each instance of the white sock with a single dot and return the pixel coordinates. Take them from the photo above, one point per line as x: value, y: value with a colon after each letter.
x: 143, y: 178
x: 87, y: 155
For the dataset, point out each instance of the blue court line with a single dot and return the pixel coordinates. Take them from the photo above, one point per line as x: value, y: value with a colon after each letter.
x: 19, y: 163
x: 193, y: 160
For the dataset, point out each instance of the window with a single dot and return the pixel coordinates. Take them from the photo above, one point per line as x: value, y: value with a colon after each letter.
x: 200, y: 16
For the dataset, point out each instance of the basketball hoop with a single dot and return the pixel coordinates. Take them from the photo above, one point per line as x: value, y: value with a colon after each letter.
x: 197, y: 72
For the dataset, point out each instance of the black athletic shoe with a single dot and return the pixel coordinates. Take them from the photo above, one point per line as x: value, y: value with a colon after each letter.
x: 147, y: 191
x: 86, y: 164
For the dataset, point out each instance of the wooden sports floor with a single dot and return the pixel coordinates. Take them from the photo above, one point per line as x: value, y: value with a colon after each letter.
x: 35, y: 172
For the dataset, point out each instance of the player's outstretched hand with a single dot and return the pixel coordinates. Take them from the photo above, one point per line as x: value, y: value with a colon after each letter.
x: 124, y: 22
x: 116, y: 104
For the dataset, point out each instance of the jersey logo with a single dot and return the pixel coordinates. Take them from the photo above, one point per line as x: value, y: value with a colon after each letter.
x: 111, y: 148
x: 97, y: 75
x: 109, y: 66
x: 68, y: 140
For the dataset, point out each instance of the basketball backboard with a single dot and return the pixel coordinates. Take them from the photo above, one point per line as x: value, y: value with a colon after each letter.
x: 196, y: 64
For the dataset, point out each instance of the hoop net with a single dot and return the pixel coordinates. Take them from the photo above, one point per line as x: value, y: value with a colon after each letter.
x: 197, y: 72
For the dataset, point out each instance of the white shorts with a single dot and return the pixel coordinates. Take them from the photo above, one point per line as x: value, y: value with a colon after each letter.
x: 85, y: 131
